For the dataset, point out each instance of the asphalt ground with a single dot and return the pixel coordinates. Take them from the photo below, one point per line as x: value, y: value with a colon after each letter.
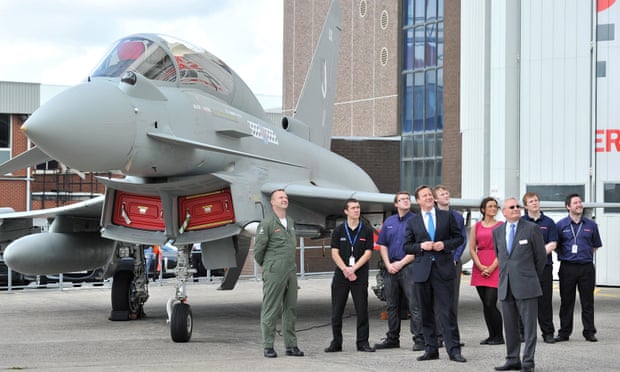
x: 52, y: 330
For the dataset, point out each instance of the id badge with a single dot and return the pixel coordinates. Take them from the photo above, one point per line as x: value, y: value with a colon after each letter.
x: 351, y: 261
x: 574, y: 249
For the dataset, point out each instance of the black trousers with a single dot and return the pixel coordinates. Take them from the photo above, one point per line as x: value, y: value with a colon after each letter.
x: 545, y: 302
x: 340, y: 294
x: 397, y: 287
x: 582, y: 277
x: 438, y: 289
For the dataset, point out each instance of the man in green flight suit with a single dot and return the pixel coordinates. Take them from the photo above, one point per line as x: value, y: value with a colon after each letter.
x: 274, y: 250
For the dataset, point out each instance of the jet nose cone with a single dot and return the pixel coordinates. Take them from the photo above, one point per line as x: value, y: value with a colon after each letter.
x: 90, y: 127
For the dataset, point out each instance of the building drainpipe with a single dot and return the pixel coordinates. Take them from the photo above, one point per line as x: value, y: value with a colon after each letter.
x: 593, y: 101
x: 28, y: 180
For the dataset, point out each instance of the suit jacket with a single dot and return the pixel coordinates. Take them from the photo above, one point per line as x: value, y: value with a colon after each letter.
x: 446, y: 230
x: 520, y: 271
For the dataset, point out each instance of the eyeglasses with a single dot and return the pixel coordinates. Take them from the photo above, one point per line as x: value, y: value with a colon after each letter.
x: 514, y: 207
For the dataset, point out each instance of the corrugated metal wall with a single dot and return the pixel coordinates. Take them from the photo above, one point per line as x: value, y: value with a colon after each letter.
x: 556, y: 133
x: 19, y: 98
x: 475, y: 39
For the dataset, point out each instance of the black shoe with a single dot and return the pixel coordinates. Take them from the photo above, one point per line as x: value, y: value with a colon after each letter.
x: 270, y: 353
x: 333, y: 347
x: 496, y: 341
x: 485, y: 341
x: 559, y: 338
x: 294, y: 351
x: 509, y: 367
x: 418, y: 346
x: 388, y: 344
x: 457, y: 357
x: 428, y: 356
x: 366, y: 348
x: 591, y: 338
x: 548, y: 339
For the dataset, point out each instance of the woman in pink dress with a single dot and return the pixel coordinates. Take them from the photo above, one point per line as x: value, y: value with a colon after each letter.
x: 485, y: 273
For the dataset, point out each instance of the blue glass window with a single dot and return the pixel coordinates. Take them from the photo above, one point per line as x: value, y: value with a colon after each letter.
x: 422, y: 95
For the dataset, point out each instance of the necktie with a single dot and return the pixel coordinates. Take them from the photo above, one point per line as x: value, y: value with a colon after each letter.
x: 511, y: 237
x: 431, y: 226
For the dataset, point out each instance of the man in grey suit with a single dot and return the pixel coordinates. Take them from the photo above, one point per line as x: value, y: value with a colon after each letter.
x: 521, y: 253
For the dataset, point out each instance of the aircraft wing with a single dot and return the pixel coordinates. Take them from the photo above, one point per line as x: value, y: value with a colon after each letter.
x: 205, y: 146
x: 16, y: 224
x: 87, y: 208
x: 331, y: 200
x: 24, y: 160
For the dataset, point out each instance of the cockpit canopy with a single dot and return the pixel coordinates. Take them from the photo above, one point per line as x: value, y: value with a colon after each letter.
x: 163, y: 58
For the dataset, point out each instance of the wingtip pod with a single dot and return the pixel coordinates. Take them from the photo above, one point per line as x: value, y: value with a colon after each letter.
x: 315, y: 107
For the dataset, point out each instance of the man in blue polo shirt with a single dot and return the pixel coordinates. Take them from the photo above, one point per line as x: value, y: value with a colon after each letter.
x: 398, y: 280
x: 533, y: 214
x: 579, y: 239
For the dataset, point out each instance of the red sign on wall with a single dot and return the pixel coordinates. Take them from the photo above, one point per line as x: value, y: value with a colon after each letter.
x: 607, y: 140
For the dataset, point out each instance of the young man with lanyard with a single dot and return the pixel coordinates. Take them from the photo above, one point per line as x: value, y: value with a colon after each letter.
x: 352, y: 246
x: 398, y: 277
x: 579, y: 239
x: 533, y: 214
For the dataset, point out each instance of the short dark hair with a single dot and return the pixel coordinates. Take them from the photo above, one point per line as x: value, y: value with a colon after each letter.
x: 275, y: 191
x: 570, y: 197
x: 401, y: 193
x: 350, y: 200
x: 417, y: 190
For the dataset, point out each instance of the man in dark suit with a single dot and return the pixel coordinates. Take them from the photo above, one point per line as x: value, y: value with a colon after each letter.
x: 432, y: 237
x: 521, y: 253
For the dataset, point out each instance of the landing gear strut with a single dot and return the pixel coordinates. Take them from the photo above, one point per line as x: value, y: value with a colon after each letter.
x: 179, y: 312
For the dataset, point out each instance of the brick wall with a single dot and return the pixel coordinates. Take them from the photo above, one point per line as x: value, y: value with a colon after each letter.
x: 451, y: 172
x: 379, y: 158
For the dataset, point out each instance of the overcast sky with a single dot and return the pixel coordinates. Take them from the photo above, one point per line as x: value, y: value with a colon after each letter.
x: 61, y: 41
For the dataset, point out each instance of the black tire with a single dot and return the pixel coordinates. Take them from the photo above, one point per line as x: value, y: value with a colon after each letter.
x: 181, y: 322
x: 120, y: 290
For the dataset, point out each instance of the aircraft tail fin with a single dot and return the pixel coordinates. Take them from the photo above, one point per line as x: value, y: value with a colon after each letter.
x: 315, y: 107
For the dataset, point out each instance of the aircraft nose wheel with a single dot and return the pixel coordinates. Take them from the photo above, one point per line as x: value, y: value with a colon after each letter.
x: 181, y: 322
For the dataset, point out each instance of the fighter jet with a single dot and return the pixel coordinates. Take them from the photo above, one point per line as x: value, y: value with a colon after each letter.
x: 197, y: 159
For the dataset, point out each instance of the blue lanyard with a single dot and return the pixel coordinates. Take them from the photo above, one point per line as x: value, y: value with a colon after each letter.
x: 352, y: 242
